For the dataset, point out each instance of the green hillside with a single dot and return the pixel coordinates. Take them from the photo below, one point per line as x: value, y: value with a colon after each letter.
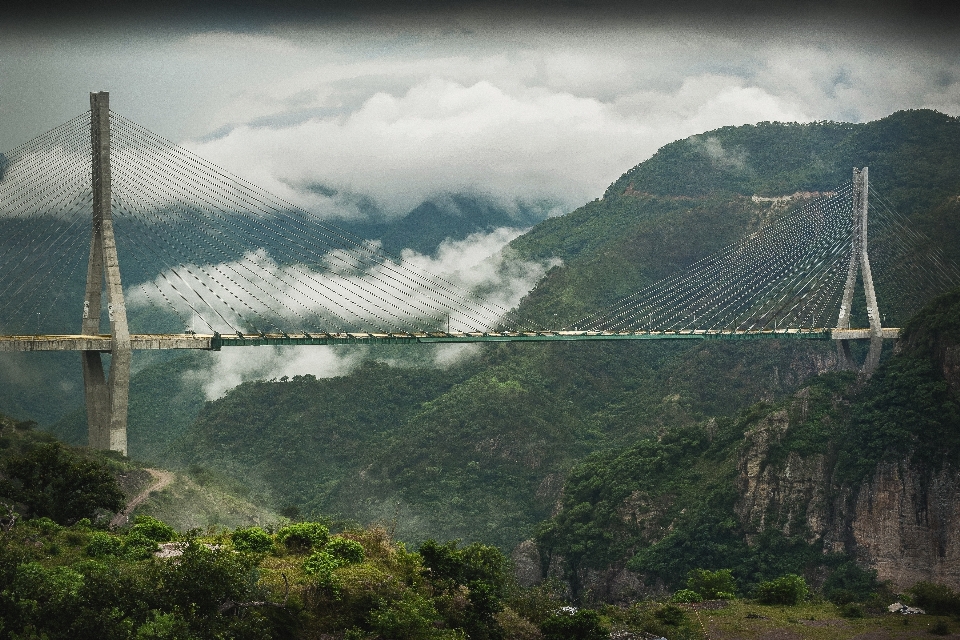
x: 669, y: 504
x: 480, y: 450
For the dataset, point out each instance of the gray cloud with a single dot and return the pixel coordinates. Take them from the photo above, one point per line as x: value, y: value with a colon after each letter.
x: 397, y: 113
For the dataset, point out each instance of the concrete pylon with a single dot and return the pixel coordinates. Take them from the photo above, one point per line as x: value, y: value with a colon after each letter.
x: 860, y: 262
x: 106, y: 397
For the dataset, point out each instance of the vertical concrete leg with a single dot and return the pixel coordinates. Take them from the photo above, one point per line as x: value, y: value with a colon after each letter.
x: 119, y: 386
x: 98, y: 400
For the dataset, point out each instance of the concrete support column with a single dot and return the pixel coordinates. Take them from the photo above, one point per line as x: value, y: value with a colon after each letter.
x: 106, y: 398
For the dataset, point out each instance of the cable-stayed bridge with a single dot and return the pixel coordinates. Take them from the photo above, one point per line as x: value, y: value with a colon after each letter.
x: 211, y: 261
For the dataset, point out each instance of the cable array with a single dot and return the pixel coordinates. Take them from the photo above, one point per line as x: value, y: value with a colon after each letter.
x: 195, y: 224
x: 45, y: 203
x: 787, y: 274
x: 207, y: 251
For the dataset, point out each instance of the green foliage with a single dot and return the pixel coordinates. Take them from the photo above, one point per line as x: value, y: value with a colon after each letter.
x: 850, y: 583
x: 52, y: 482
x: 303, y: 536
x: 103, y: 544
x: 712, y: 585
x: 686, y: 595
x: 936, y: 599
x: 153, y: 529
x: 790, y: 589
x: 671, y: 615
x: 852, y: 610
x: 410, y: 616
x: 482, y: 569
x: 349, y: 551
x: 583, y: 624
x: 252, y: 540
x: 940, y: 628
x: 137, y: 546
x: 339, y: 552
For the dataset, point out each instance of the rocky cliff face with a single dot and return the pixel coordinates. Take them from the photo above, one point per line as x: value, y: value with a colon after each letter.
x: 903, y: 521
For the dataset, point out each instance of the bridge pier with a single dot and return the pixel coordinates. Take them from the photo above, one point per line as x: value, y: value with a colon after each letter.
x: 106, y: 396
x: 860, y: 262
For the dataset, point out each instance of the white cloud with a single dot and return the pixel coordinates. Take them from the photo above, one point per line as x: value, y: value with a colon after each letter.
x: 478, y: 282
x: 231, y: 367
x: 478, y: 265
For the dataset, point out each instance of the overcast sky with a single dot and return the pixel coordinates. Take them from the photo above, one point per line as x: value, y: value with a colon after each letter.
x: 546, y: 107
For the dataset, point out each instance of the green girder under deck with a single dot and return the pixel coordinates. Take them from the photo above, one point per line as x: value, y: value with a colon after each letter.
x: 215, y: 342
x: 218, y: 341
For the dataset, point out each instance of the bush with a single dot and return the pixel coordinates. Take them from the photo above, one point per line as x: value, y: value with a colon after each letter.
x: 45, y: 525
x: 349, y: 551
x: 137, y: 546
x: 303, y: 536
x: 851, y: 610
x: 935, y: 599
x: 153, y: 529
x: 940, y: 628
x: 686, y: 595
x: 712, y: 585
x: 671, y: 615
x: 581, y: 625
x: 103, y: 544
x: 790, y: 589
x: 252, y: 540
x: 849, y: 583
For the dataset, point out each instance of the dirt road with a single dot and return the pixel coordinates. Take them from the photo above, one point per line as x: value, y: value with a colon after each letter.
x: 160, y: 480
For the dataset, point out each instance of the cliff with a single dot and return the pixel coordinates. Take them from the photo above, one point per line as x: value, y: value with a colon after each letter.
x: 848, y: 475
x: 902, y: 521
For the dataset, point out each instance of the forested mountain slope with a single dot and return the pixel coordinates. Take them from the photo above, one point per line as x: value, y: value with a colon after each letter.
x: 480, y: 449
x: 843, y: 469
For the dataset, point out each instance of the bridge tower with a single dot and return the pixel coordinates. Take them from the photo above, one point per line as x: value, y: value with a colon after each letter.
x: 106, y: 397
x: 860, y: 262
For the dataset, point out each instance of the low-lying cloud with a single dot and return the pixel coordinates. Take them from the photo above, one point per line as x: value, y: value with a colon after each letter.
x: 479, y: 270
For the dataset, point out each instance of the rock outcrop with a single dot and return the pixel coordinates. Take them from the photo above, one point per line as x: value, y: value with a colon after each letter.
x: 902, y: 521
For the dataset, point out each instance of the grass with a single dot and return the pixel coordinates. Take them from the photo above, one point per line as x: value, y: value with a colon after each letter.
x: 816, y: 621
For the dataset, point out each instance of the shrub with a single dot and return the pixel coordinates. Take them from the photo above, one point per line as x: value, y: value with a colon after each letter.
x: 45, y: 525
x: 153, y: 529
x: 671, y: 615
x: 940, y: 628
x: 581, y: 625
x: 790, y: 589
x: 410, y: 616
x: 712, y: 585
x: 686, y: 595
x: 103, y: 544
x: 252, y: 540
x: 303, y: 536
x: 350, y: 551
x: 935, y: 599
x: 338, y: 553
x: 851, y: 610
x: 850, y: 583
x: 137, y: 546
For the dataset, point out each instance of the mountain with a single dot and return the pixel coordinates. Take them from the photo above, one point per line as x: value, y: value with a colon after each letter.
x: 842, y: 469
x: 481, y: 449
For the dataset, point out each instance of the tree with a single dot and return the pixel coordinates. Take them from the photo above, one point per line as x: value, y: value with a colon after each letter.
x: 52, y: 482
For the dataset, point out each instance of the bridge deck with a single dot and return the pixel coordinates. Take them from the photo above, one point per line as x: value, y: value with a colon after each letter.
x: 215, y: 342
